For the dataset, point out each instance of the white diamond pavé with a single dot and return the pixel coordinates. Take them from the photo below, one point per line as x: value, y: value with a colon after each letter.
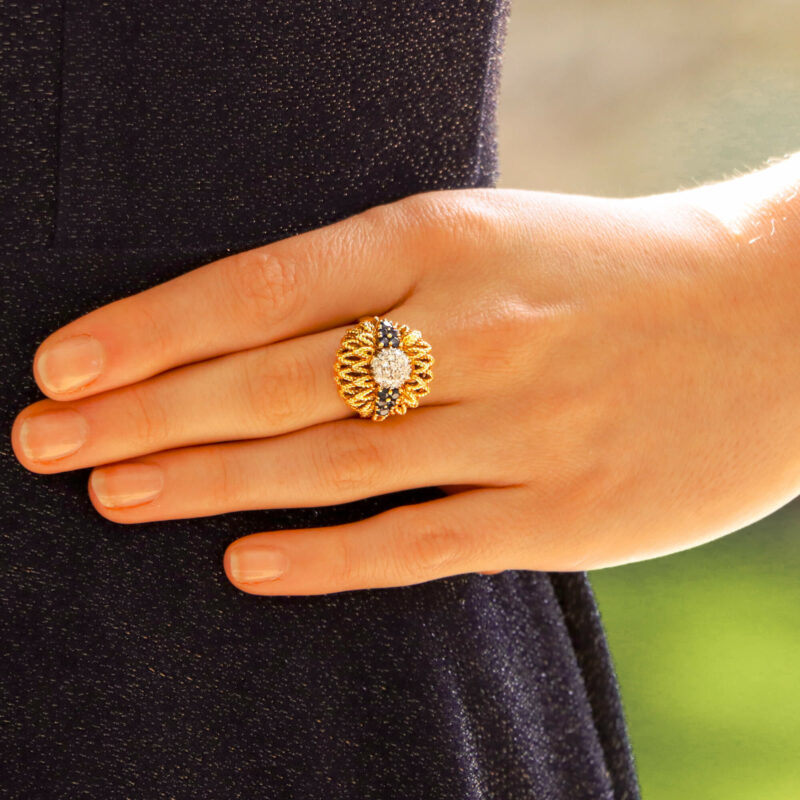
x: 391, y: 368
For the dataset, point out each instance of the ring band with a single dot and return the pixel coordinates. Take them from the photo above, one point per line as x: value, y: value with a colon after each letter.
x: 382, y: 368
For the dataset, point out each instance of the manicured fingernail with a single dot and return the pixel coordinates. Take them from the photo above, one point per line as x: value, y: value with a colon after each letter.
x: 124, y: 485
x: 53, y: 435
x: 71, y: 363
x: 252, y: 563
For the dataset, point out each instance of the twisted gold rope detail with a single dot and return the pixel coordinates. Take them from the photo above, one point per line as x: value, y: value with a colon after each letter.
x: 353, y: 374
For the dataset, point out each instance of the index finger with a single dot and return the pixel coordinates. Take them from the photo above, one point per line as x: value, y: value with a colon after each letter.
x: 304, y: 283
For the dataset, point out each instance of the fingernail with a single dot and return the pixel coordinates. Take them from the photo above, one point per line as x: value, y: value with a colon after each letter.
x: 53, y: 435
x: 71, y: 363
x: 255, y: 563
x: 124, y: 485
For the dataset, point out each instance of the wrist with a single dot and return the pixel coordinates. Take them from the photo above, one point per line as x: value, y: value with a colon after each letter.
x: 747, y: 231
x: 742, y: 246
x: 735, y: 248
x: 760, y: 211
x: 759, y: 215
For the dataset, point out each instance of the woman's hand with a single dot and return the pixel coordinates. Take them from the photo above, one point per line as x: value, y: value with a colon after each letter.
x: 612, y: 382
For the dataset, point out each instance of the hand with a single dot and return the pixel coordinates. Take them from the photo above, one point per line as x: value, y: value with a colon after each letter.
x: 611, y: 383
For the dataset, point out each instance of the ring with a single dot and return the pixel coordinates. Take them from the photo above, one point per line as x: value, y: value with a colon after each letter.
x: 382, y: 368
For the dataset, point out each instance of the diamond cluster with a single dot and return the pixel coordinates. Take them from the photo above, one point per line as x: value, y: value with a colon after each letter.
x: 391, y: 367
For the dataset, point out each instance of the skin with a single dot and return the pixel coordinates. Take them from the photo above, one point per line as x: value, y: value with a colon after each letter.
x: 615, y: 379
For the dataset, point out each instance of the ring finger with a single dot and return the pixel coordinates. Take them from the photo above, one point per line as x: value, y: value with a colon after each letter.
x: 264, y: 391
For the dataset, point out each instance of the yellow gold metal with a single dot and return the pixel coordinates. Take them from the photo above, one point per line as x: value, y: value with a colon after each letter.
x: 353, y: 373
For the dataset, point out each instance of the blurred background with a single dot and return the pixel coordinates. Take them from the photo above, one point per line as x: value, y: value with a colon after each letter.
x: 623, y: 98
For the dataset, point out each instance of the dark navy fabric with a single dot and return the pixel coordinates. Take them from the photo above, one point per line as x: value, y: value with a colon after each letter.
x: 140, y: 139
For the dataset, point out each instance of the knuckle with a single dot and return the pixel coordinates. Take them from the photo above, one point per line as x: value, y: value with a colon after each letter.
x: 350, y: 460
x: 161, y: 338
x: 279, y: 388
x: 227, y: 485
x: 462, y: 214
x: 568, y: 505
x: 500, y: 339
x: 346, y: 568
x: 377, y: 213
x: 414, y: 224
x: 393, y: 231
x: 430, y: 222
x: 577, y: 463
x: 151, y: 421
x: 426, y: 549
x: 265, y: 284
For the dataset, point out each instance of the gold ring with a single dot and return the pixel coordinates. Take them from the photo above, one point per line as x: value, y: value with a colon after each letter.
x: 382, y: 368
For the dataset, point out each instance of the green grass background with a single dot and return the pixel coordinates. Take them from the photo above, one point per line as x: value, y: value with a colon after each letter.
x: 707, y: 649
x: 618, y: 98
